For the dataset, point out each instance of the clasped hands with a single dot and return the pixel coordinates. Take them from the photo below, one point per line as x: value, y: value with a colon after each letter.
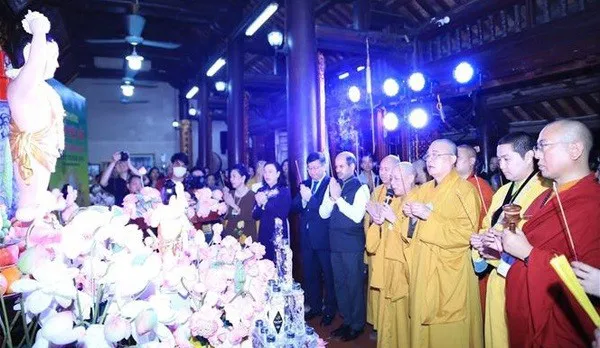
x: 416, y: 210
x: 261, y: 198
x: 380, y: 212
x: 493, y: 242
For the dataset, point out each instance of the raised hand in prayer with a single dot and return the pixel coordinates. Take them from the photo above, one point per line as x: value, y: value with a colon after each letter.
x: 420, y: 210
x: 388, y: 213
x: 589, y: 277
x: 335, y: 190
x: 261, y: 198
x: 477, y: 242
x: 373, y: 209
x: 407, y: 210
x: 305, y: 193
x: 516, y: 244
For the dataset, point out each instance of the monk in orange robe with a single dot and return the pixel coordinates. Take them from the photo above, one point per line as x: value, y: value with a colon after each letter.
x: 541, y: 312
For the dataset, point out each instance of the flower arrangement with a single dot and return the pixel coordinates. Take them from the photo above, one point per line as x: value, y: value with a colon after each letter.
x: 103, y: 284
x: 140, y: 205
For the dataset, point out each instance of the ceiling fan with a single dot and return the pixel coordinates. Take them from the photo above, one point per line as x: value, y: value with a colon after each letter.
x: 126, y: 81
x: 135, y: 26
x: 125, y: 101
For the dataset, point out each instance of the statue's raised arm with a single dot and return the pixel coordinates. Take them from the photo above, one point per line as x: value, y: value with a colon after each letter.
x: 37, y: 113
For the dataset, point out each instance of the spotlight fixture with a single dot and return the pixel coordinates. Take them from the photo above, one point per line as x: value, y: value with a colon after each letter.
x: 217, y: 65
x: 262, y: 18
x: 134, y: 60
x: 360, y: 68
x: 463, y: 73
x: 275, y: 39
x: 192, y: 92
x: 418, y: 118
x: 175, y: 124
x: 390, y: 121
x: 127, y: 89
x: 343, y: 75
x: 354, y: 94
x: 220, y: 86
x: 416, y: 82
x: 390, y: 87
x: 192, y: 112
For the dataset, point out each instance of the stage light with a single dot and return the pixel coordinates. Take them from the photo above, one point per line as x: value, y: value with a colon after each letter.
x: 360, y: 68
x: 391, y: 87
x: 354, y: 94
x: 220, y: 86
x: 416, y: 82
x: 343, y: 76
x: 463, y: 72
x: 275, y: 39
x: 262, y: 18
x: 390, y: 121
x: 418, y: 118
x: 192, y: 92
x: 217, y: 65
x: 127, y: 90
x: 192, y: 112
x: 175, y: 124
x: 134, y: 61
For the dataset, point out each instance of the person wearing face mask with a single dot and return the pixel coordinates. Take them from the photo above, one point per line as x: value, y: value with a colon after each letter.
x: 273, y: 200
x: 177, y: 170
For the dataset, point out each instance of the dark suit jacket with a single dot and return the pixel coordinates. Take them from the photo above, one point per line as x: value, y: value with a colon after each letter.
x: 314, y: 229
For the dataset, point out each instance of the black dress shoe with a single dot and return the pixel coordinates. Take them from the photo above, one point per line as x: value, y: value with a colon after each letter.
x: 351, y: 335
x: 326, y: 320
x: 341, y: 331
x: 311, y: 315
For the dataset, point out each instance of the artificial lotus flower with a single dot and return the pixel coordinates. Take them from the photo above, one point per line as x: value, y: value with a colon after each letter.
x: 116, y: 328
x: 59, y: 330
x: 52, y: 281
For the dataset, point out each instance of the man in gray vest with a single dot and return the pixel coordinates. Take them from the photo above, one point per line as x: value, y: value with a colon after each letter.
x: 345, y: 203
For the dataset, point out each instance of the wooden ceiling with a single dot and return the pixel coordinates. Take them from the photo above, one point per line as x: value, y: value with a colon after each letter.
x: 523, y: 48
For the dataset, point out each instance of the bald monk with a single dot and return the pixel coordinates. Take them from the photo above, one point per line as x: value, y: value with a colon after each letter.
x: 540, y: 310
x: 376, y: 260
x: 444, y: 299
x: 386, y: 237
x: 516, y: 161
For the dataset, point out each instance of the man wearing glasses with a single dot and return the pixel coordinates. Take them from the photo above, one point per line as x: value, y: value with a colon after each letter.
x: 540, y: 311
x: 444, y: 297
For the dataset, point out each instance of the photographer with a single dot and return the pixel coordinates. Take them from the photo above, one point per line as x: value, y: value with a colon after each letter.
x: 117, y: 185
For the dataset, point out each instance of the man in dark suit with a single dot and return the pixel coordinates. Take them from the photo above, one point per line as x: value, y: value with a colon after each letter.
x: 316, y: 255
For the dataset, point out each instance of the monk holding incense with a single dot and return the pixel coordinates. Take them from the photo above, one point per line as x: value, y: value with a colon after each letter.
x: 525, y: 184
x: 541, y: 312
x: 444, y: 298
x: 374, y: 259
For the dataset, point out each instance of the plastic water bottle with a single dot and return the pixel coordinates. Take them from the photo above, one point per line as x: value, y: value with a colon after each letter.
x: 256, y: 334
x: 290, y: 340
x: 310, y: 338
x: 271, y: 342
x: 277, y: 313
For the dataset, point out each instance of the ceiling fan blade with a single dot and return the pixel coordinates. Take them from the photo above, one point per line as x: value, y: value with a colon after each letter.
x: 135, y: 25
x: 160, y: 44
x: 105, y: 41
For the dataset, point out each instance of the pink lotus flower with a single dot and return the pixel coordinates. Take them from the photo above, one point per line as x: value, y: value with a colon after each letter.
x: 218, y: 195
x: 205, y: 322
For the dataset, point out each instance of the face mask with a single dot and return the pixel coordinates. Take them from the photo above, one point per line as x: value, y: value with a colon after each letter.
x: 179, y: 172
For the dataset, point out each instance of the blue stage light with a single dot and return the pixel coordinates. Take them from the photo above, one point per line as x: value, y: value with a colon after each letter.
x: 391, y: 87
x: 418, y: 118
x: 463, y: 72
x: 416, y: 82
x: 390, y: 121
x: 354, y: 94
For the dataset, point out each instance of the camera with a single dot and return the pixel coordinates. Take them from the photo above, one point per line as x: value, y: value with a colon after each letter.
x: 124, y: 156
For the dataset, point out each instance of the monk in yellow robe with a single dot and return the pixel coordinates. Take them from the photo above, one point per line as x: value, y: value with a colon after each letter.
x: 374, y: 260
x: 516, y: 160
x: 444, y: 305
x: 386, y: 237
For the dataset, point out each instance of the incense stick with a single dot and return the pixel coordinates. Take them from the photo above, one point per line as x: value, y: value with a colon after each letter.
x: 481, y: 194
x: 298, y: 172
x: 465, y: 209
x: 564, y: 217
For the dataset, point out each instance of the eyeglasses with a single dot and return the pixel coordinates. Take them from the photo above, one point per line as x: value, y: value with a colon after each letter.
x: 541, y: 146
x: 434, y: 156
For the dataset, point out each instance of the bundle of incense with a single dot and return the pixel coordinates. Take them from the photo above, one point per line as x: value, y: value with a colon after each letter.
x: 481, y: 195
x: 299, y: 176
x: 565, y: 273
x: 564, y: 217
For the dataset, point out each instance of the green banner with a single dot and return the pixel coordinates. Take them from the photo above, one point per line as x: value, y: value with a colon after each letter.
x: 72, y: 167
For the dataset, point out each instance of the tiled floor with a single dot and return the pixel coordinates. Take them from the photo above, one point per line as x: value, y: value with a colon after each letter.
x: 364, y: 341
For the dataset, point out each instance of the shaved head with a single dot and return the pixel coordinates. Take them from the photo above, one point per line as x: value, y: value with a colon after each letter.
x: 465, y: 161
x: 385, y: 168
x: 574, y: 131
x: 407, y: 167
x: 403, y: 178
x: 563, y: 151
x: 448, y: 144
x: 468, y: 150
